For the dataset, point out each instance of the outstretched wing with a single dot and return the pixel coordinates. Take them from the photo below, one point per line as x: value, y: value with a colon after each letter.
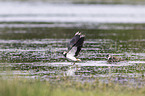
x: 79, y: 45
x: 76, y: 44
x: 73, y: 41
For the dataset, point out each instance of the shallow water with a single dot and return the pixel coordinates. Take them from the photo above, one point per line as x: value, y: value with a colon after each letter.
x: 42, y: 58
x: 34, y: 49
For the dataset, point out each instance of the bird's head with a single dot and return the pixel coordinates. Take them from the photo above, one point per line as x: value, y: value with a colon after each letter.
x: 64, y: 53
x: 108, y: 56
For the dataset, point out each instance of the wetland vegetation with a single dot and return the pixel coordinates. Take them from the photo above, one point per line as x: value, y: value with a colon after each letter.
x: 31, y: 60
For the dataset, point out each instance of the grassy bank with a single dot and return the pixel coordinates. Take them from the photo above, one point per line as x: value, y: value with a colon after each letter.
x: 25, y: 87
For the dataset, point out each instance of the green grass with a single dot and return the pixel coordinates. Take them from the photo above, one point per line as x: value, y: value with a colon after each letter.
x: 27, y: 87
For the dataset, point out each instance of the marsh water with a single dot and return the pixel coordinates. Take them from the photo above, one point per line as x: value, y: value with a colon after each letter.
x: 33, y: 38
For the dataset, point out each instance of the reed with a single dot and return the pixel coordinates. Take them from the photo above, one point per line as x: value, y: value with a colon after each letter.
x: 32, y: 87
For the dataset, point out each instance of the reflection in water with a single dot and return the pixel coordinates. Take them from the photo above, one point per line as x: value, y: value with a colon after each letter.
x: 72, y: 69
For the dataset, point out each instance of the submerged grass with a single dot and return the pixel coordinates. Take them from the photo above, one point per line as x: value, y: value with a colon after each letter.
x: 27, y: 87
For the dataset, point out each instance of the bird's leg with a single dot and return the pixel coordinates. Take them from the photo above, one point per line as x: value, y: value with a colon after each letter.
x: 73, y: 63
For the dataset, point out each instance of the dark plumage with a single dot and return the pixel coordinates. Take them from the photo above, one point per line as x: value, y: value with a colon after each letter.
x: 74, y: 47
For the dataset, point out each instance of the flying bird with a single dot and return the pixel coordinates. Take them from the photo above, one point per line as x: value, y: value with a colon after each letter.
x: 74, y: 47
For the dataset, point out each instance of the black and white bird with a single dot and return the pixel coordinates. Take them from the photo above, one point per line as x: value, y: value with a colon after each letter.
x: 74, y: 47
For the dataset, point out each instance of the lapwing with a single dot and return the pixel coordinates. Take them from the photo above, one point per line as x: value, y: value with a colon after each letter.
x: 74, y: 47
x: 111, y: 58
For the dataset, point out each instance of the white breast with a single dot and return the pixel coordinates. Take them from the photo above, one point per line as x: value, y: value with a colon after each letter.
x: 70, y: 55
